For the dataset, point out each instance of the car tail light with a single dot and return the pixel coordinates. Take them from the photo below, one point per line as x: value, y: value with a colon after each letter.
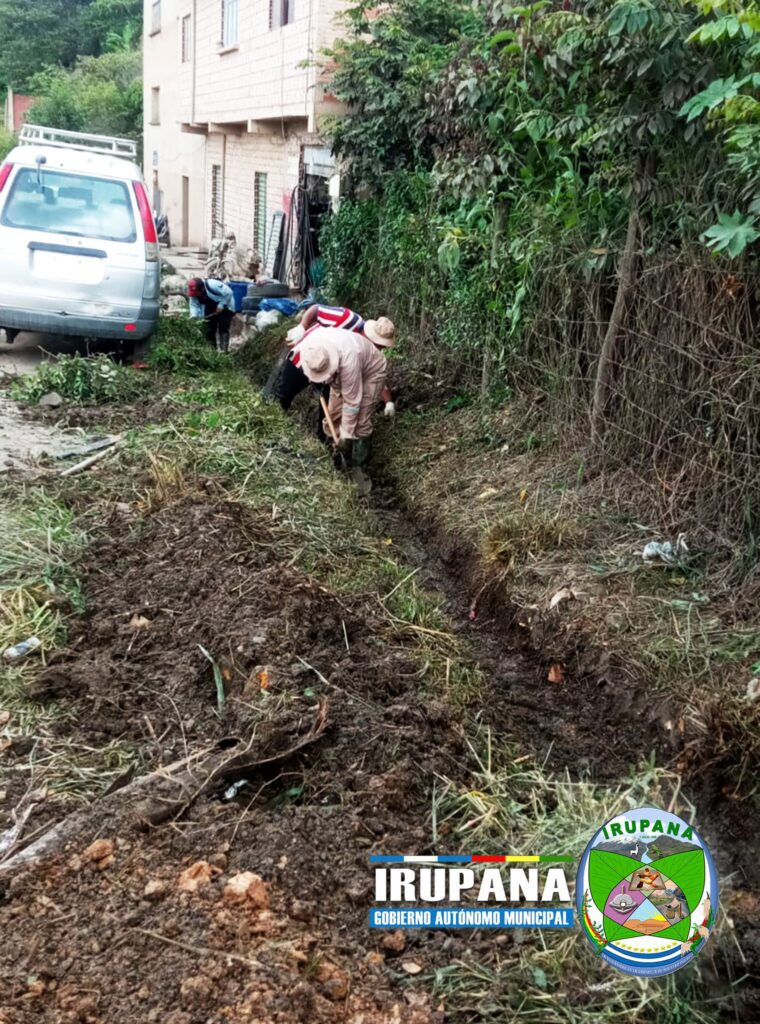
x: 5, y: 172
x: 148, y: 224
x: 130, y: 327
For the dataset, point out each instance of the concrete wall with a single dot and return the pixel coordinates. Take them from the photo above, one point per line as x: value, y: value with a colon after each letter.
x: 241, y: 157
x: 170, y: 152
x: 247, y: 108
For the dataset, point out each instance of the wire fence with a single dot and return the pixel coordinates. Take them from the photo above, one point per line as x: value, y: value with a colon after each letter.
x: 683, y: 402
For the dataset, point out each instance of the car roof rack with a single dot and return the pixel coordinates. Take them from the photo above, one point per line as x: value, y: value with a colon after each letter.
x: 34, y: 134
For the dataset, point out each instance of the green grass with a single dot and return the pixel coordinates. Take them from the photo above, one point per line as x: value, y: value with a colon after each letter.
x: 37, y: 582
x: 180, y: 346
x: 39, y: 590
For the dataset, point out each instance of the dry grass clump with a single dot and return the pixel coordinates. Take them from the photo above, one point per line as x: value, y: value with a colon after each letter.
x: 521, y: 535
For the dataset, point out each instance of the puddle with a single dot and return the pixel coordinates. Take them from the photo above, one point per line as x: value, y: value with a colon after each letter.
x: 22, y: 440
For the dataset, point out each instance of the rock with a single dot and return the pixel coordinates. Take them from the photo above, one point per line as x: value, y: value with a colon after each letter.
x: 263, y: 677
x: 99, y: 854
x: 301, y: 910
x: 197, y: 990
x: 394, y: 942
x: 412, y: 967
x: 52, y: 400
x: 195, y: 877
x: 173, y: 284
x: 336, y: 989
x: 247, y: 889
x: 174, y: 304
x: 155, y: 889
x: 333, y: 982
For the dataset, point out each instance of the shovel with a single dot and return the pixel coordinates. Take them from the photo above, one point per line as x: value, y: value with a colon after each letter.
x: 355, y: 473
x: 333, y: 433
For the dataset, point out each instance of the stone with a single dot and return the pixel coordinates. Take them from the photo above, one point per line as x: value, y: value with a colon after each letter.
x: 52, y: 400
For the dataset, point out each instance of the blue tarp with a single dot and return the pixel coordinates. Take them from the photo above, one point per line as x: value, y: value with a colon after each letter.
x: 285, y: 306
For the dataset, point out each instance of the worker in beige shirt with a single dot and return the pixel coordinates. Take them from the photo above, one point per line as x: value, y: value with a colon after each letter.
x: 355, y: 368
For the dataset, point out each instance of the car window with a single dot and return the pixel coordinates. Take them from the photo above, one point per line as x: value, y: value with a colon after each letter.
x: 70, y: 204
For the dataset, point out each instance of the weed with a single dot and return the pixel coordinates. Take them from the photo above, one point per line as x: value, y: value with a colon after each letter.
x: 524, y: 533
x: 182, y: 347
x: 79, y: 379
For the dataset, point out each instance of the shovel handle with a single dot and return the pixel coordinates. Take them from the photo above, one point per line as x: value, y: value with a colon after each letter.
x: 328, y: 418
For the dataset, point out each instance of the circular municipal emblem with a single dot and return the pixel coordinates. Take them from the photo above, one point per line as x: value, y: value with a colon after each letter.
x: 647, y: 892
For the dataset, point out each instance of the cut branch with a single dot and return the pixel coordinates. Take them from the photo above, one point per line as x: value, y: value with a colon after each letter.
x: 163, y: 794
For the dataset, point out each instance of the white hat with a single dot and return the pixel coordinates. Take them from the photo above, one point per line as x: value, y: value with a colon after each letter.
x: 381, y: 332
x: 318, y: 362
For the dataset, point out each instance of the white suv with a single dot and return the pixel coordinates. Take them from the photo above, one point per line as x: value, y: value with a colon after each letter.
x: 78, y: 247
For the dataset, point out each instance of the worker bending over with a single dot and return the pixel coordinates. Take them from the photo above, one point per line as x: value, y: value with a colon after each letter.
x: 214, y: 302
x: 355, y: 369
x: 293, y: 380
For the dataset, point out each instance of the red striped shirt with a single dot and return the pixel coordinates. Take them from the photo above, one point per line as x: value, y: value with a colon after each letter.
x: 331, y: 316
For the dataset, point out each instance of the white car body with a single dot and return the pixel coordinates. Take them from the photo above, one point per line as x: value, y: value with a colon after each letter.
x: 78, y: 248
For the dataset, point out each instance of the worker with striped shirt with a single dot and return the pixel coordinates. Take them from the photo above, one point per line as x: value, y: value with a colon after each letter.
x: 293, y: 380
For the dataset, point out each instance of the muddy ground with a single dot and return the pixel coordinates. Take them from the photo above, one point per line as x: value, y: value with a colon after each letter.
x: 135, y: 672
x: 154, y: 923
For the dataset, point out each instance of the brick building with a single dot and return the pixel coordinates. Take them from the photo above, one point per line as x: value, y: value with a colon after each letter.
x: 17, y: 108
x: 232, y: 110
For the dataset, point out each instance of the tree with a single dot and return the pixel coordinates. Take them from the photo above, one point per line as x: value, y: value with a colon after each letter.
x: 40, y: 33
x: 383, y: 69
x: 100, y: 94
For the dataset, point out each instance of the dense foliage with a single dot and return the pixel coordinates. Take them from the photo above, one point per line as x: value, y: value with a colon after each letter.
x: 52, y: 33
x: 549, y: 197
x: 99, y: 94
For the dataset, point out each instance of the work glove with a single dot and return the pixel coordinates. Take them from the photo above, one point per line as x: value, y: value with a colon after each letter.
x: 295, y: 335
x: 390, y: 410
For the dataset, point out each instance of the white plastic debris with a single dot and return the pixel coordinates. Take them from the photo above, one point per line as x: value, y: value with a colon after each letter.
x: 565, y: 594
x: 659, y: 552
x: 21, y: 650
x: 268, y: 318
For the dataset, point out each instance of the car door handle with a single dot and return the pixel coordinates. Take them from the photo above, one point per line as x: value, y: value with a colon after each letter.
x: 69, y: 250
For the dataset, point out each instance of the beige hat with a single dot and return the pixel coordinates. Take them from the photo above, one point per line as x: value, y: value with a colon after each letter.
x: 318, y: 362
x: 381, y: 332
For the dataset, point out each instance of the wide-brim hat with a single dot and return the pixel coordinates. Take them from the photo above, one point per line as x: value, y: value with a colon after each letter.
x: 319, y: 362
x: 381, y: 332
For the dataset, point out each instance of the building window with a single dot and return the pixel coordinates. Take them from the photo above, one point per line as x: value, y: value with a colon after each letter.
x: 155, y: 105
x: 155, y: 16
x: 230, y: 22
x: 217, y: 201
x: 260, y: 213
x: 281, y: 12
x: 187, y: 43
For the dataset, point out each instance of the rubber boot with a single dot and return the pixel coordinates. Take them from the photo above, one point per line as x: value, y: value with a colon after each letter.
x: 224, y: 341
x: 362, y: 450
